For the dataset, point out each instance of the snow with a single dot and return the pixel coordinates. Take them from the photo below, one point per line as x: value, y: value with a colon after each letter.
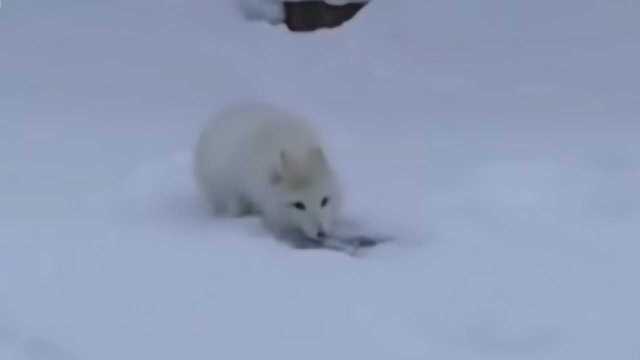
x: 271, y: 11
x: 497, y: 142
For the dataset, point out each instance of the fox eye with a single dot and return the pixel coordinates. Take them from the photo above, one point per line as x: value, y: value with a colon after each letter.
x: 299, y: 205
x: 325, y: 201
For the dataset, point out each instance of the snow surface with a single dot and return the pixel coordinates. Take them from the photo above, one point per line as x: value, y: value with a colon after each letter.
x: 497, y: 141
x: 271, y: 11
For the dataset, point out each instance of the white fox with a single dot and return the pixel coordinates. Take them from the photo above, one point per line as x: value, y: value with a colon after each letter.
x: 258, y: 159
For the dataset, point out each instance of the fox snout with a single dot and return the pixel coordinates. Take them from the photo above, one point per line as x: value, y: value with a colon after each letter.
x: 318, y: 232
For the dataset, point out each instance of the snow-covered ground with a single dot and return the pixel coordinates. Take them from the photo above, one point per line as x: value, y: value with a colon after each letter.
x: 497, y: 141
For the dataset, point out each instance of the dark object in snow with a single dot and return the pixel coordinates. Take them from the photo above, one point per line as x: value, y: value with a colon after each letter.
x: 312, y: 15
x: 347, y: 244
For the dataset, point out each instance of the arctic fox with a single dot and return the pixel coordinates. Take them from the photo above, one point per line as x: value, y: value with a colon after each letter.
x: 259, y: 159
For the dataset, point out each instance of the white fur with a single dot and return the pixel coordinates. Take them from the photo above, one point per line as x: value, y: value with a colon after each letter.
x: 256, y: 158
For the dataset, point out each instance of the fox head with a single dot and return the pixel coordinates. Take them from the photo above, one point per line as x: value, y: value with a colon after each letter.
x: 308, y: 199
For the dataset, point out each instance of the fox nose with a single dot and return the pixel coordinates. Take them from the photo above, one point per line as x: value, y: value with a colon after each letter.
x: 321, y: 234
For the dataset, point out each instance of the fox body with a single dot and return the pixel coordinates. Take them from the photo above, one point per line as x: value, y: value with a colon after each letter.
x: 259, y: 159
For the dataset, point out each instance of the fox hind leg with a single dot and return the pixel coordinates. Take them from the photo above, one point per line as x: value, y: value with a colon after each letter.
x: 233, y: 206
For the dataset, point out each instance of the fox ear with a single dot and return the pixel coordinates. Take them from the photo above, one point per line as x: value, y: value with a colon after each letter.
x: 289, y: 165
x: 316, y: 156
x: 285, y: 163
